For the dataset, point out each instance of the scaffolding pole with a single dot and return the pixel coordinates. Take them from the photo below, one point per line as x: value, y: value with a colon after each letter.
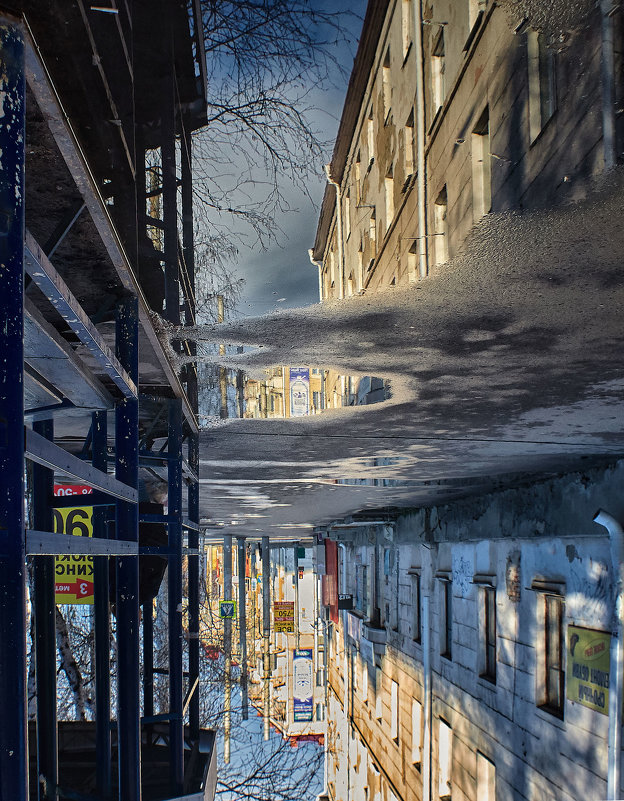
x: 176, y: 689
x: 13, y: 736
x: 127, y: 601
x: 45, y: 630
x: 266, y: 633
x: 99, y: 438
x: 242, y: 624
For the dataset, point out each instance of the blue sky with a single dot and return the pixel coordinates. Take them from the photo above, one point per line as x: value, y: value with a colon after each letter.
x: 282, y: 276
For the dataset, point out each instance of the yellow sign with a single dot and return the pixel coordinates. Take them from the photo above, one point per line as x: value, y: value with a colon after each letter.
x: 74, y: 574
x: 284, y: 616
x: 587, y: 679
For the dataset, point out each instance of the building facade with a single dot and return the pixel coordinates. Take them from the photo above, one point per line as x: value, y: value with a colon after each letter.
x: 455, y: 110
x: 475, y: 663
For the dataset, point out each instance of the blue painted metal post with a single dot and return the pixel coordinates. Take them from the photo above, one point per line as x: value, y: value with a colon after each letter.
x: 174, y: 475
x: 45, y: 630
x: 127, y: 602
x: 148, y: 658
x: 99, y: 433
x: 13, y: 736
x: 193, y: 588
x: 242, y: 623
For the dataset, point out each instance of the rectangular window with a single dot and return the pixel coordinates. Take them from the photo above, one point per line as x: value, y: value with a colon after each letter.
x: 372, y: 234
x: 446, y: 618
x: 553, y: 697
x: 394, y: 712
x: 445, y: 760
x: 347, y: 214
x: 542, y: 83
x: 486, y: 779
x: 489, y: 634
x: 440, y: 239
x: 378, y: 691
x: 406, y: 26
x: 438, y: 87
x: 475, y: 7
x: 389, y: 186
x: 386, y: 86
x: 481, y: 168
x: 358, y: 179
x: 416, y: 623
x: 417, y: 733
x: 370, y: 135
x: 365, y: 682
x: 408, y: 144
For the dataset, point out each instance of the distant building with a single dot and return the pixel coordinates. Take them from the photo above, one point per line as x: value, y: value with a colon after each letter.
x: 455, y: 109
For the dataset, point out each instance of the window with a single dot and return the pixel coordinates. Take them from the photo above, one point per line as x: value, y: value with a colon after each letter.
x: 416, y: 623
x: 378, y: 690
x: 417, y: 733
x: 370, y: 135
x: 389, y: 185
x: 553, y: 695
x: 408, y: 146
x: 386, y: 86
x: 394, y: 712
x: 358, y: 179
x: 445, y: 760
x: 542, y: 83
x: 489, y: 634
x: 446, y: 618
x: 365, y: 682
x: 486, y: 779
x: 438, y: 88
x: 372, y: 234
x: 347, y: 214
x: 406, y: 26
x: 475, y: 7
x: 440, y: 244
x: 481, y: 168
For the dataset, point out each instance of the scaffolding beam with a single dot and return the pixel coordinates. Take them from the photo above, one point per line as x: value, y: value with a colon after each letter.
x: 13, y: 736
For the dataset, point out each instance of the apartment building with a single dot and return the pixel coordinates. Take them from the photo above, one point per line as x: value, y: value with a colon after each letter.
x: 456, y: 109
x: 475, y: 663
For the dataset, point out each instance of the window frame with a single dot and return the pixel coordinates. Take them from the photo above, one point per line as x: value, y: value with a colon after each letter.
x: 552, y: 701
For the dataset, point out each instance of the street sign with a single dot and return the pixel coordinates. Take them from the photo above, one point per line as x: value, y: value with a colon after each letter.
x: 345, y: 601
x: 227, y: 609
x: 73, y: 574
x: 588, y: 668
x: 284, y: 616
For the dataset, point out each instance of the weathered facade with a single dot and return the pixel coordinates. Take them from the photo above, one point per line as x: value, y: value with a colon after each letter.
x: 475, y: 663
x: 455, y: 110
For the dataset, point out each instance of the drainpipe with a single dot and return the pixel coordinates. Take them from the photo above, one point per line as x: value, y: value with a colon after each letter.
x: 420, y: 143
x: 607, y: 74
x: 341, y: 282
x: 319, y: 266
x: 616, y: 538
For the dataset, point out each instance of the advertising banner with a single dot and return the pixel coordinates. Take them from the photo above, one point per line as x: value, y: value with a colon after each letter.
x: 303, y: 687
x: 299, y: 391
x: 587, y: 679
x: 73, y: 574
x: 284, y: 616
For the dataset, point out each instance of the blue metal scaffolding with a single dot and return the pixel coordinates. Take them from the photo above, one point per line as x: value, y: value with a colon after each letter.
x: 59, y: 389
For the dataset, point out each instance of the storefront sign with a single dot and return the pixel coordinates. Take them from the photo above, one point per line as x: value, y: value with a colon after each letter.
x: 303, y: 687
x: 284, y: 616
x: 73, y: 574
x: 299, y: 391
x: 345, y: 601
x: 587, y: 679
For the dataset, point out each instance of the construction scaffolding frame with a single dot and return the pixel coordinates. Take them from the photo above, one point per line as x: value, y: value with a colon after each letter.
x: 65, y: 385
